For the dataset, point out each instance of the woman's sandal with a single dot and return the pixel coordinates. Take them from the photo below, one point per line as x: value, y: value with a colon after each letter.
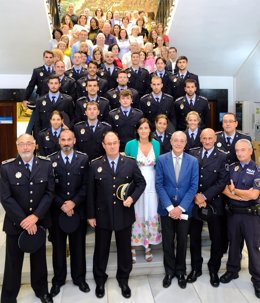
x: 148, y: 255
x: 133, y: 256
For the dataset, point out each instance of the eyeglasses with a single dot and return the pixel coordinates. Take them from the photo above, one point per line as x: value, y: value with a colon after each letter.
x: 27, y: 144
x: 112, y: 143
x: 229, y: 121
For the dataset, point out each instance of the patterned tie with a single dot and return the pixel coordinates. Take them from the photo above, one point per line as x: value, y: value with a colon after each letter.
x: 177, y: 168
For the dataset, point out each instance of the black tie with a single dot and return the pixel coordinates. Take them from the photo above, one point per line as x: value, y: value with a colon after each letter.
x: 78, y: 71
x: 27, y: 166
x: 192, y: 138
x: 161, y: 75
x: 53, y: 99
x: 191, y: 104
x: 205, y: 155
x: 182, y: 77
x: 125, y: 112
x: 55, y: 134
x: 108, y: 70
x: 67, y: 161
x: 136, y: 71
x: 113, y: 166
x: 92, y: 128
x: 157, y: 100
x: 160, y: 137
x: 228, y: 141
x: 49, y: 70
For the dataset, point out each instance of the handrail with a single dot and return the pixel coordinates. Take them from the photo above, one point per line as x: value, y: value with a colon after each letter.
x: 163, y: 11
x: 54, y: 13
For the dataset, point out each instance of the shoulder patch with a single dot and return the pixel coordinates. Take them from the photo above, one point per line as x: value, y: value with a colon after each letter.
x: 8, y: 161
x: 43, y: 158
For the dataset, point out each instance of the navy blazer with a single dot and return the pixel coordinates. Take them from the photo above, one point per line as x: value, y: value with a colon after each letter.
x: 167, y: 187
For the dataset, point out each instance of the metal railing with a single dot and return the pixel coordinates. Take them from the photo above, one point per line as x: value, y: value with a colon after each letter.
x: 163, y: 11
x: 54, y: 13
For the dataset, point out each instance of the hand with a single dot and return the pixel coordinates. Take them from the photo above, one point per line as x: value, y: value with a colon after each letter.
x: 67, y: 206
x: 231, y: 186
x: 175, y: 213
x: 200, y: 200
x: 29, y: 221
x: 128, y: 202
x: 32, y: 230
x: 25, y: 103
x: 92, y: 222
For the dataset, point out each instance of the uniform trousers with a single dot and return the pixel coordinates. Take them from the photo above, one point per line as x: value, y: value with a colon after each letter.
x: 248, y: 227
x: 77, y: 248
x: 174, y: 263
x: 101, y: 254
x: 13, y: 270
x: 216, y: 232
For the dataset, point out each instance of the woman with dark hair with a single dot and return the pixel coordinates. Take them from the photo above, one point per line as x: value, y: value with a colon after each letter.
x: 160, y: 31
x: 82, y: 23
x: 123, y: 42
x: 161, y: 134
x: 56, y: 36
x: 116, y: 30
x: 109, y: 15
x: 98, y: 57
x: 93, y: 30
x: 99, y: 14
x: 66, y: 19
x: 115, y: 49
x: 153, y: 37
x: 146, y: 229
x: 49, y: 138
x: 143, y: 31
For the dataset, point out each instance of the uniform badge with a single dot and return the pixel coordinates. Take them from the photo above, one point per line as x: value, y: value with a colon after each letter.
x: 84, y: 105
x: 219, y: 144
x: 129, y: 75
x: 102, y: 74
x: 181, y: 106
x: 43, y: 102
x: 82, y: 131
x: 175, y: 80
x: 41, y: 74
x: 257, y: 182
x: 148, y: 103
x: 99, y: 170
x: 70, y: 74
x: 18, y: 175
x: 116, y: 117
x: 47, y: 138
x: 236, y: 168
x: 114, y: 96
x: 54, y: 164
x: 83, y: 84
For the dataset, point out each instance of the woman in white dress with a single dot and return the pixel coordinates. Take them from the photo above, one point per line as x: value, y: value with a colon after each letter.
x: 123, y: 43
x: 146, y: 229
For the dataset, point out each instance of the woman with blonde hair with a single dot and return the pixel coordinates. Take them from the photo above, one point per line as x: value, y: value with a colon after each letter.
x: 193, y: 130
x: 62, y: 46
x: 136, y: 37
x: 83, y: 47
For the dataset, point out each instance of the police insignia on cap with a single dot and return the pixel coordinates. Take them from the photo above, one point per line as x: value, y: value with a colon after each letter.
x: 219, y: 144
x: 41, y: 74
x: 148, y: 103
x: 18, y: 175
x: 70, y: 74
x: 82, y: 131
x: 84, y: 105
x: 181, y: 106
x: 43, y: 102
x: 116, y: 117
x: 83, y: 83
x: 114, y: 96
x: 129, y: 75
x: 47, y: 138
x: 236, y: 168
x: 54, y: 164
x: 99, y: 170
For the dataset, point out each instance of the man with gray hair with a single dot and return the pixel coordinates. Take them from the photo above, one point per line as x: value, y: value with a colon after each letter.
x: 244, y: 211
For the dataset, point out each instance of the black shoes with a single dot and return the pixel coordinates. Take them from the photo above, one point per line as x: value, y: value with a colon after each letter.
x: 55, y: 289
x: 125, y: 290
x: 83, y: 286
x: 193, y: 275
x: 214, y: 279
x: 46, y: 298
x: 257, y: 292
x: 181, y: 281
x: 100, y: 290
x: 228, y: 276
x: 167, y: 281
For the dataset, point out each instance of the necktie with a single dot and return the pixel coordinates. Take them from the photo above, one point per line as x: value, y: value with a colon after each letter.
x: 228, y: 141
x: 161, y: 75
x: 67, y: 161
x: 113, y: 166
x: 182, y: 77
x: 49, y: 70
x: 53, y: 99
x: 157, y: 100
x: 78, y: 71
x: 160, y: 137
x: 192, y: 137
x: 108, y: 70
x: 136, y: 71
x: 55, y: 134
x: 205, y: 155
x: 125, y: 112
x: 177, y: 168
x: 92, y: 128
x: 27, y: 166
x: 191, y: 103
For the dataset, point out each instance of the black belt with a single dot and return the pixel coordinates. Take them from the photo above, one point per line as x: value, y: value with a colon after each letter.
x: 252, y: 210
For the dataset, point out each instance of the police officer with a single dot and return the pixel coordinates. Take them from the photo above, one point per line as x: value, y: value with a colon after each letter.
x: 48, y: 141
x: 110, y: 71
x: 92, y: 95
x: 77, y: 71
x: 138, y: 77
x: 27, y: 186
x: 213, y: 178
x: 161, y: 135
x: 227, y: 138
x: 124, y: 119
x: 157, y: 103
x: 89, y: 133
x: 193, y: 131
x: 191, y: 102
x: 92, y: 74
x: 70, y: 173
x: 107, y: 213
x: 54, y: 100
x: 243, y: 219
x: 181, y: 76
x: 113, y: 94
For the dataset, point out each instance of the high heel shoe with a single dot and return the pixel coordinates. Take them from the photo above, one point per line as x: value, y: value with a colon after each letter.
x: 148, y: 255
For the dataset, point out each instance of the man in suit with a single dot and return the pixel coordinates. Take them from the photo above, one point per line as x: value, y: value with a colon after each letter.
x: 182, y: 75
x: 27, y: 186
x: 191, y: 102
x: 107, y: 213
x: 89, y: 134
x: 213, y: 177
x: 176, y: 184
x: 70, y: 172
x: 171, y: 62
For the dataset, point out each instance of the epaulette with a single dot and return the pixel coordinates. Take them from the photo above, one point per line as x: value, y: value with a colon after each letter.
x: 111, y: 89
x: 105, y: 123
x: 44, y: 158
x: 130, y: 157
x: 233, y: 164
x: 113, y: 110
x: 219, y: 132
x: 223, y: 151
x: 43, y: 130
x: 168, y: 95
x: 103, y: 98
x: 194, y: 148
x: 138, y: 110
x: 8, y: 161
x: 146, y: 95
x: 81, y: 153
x: 50, y: 155
x: 202, y: 97
x: 80, y: 122
x: 81, y: 98
x: 179, y: 99
x: 93, y: 160
x: 243, y: 134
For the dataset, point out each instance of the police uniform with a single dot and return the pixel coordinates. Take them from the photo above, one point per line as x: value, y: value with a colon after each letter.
x: 47, y: 142
x: 81, y: 105
x: 45, y: 107
x: 167, y: 81
x: 113, y: 97
x: 242, y: 224
x: 151, y: 108
x: 82, y: 83
x: 182, y: 108
x: 88, y: 141
x: 213, y: 177
x: 192, y: 143
x: 124, y: 125
x: 70, y: 184
x: 230, y: 149
x: 179, y: 84
x: 24, y: 193
x: 111, y: 78
x: 139, y: 81
x: 72, y: 73
x: 165, y: 143
x: 111, y: 214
